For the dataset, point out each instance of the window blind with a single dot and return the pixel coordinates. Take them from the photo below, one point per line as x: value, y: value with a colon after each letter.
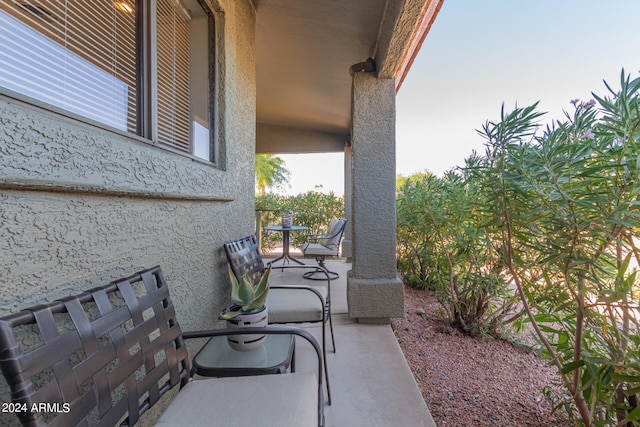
x: 173, y: 42
x: 77, y: 55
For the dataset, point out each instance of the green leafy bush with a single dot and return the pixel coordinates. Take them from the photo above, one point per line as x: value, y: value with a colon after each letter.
x: 313, y: 209
x: 443, y: 245
x: 564, y: 207
x: 555, y: 215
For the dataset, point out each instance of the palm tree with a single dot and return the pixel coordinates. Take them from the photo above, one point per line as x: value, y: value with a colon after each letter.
x: 270, y: 171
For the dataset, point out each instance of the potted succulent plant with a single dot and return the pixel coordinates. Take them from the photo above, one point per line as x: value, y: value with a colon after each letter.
x: 248, y: 310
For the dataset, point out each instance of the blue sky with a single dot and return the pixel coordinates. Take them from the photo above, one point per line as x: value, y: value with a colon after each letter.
x: 479, y: 54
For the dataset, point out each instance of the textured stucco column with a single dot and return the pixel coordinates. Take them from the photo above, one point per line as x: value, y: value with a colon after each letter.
x: 347, y: 241
x: 374, y: 291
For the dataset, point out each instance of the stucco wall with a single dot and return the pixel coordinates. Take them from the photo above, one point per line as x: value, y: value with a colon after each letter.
x: 81, y: 206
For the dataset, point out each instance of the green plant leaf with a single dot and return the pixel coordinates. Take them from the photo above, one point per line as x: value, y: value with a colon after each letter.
x: 634, y: 415
x: 235, y: 296
x: 626, y: 378
x: 572, y: 366
x: 632, y: 391
x: 262, y: 289
x: 245, y: 291
x: 228, y: 314
x: 263, y: 284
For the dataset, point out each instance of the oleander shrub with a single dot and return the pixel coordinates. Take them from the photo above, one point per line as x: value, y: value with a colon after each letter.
x: 553, y: 213
x: 563, y: 205
x: 442, y: 244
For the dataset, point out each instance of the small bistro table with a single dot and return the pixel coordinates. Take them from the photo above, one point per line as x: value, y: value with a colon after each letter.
x: 218, y: 359
x: 285, y: 241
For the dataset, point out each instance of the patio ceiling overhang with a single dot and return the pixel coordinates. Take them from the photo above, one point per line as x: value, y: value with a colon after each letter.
x: 304, y: 50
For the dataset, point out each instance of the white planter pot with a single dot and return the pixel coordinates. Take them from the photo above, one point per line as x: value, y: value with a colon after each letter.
x: 248, y: 341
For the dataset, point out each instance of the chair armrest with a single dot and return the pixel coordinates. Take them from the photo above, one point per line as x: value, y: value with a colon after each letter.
x: 319, y: 238
x: 312, y: 237
x: 315, y: 267
x: 271, y: 330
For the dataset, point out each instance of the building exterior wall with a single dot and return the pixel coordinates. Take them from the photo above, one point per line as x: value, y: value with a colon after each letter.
x: 81, y: 205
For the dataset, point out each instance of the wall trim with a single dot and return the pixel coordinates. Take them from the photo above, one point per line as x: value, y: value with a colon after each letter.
x: 74, y: 187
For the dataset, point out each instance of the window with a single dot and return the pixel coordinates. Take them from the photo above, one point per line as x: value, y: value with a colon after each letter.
x: 142, y: 67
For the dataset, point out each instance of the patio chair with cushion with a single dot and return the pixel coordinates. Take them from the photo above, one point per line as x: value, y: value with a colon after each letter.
x: 322, y: 246
x: 107, y: 355
x: 286, y: 303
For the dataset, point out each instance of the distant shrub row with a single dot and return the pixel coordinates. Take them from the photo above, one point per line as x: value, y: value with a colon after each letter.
x: 312, y: 209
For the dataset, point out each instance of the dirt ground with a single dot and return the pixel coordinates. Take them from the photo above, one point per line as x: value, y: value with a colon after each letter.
x: 469, y: 381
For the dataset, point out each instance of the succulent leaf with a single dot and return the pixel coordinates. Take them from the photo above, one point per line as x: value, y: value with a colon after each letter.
x: 229, y: 314
x: 245, y: 291
x: 248, y: 298
x: 263, y: 284
x: 235, y: 297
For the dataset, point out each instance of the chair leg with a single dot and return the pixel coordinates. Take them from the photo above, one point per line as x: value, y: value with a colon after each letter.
x: 324, y: 356
x: 310, y: 275
x: 333, y: 340
x: 322, y: 269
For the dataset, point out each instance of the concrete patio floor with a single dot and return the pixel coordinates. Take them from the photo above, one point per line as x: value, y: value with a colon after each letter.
x: 371, y: 383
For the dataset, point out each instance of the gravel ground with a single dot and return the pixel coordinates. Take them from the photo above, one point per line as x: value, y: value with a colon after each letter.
x: 472, y: 381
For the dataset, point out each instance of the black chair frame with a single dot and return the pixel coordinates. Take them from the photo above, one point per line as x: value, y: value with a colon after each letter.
x: 244, y: 257
x: 318, y: 238
x: 106, y: 355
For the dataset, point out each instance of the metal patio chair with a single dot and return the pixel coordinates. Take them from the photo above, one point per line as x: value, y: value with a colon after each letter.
x: 322, y: 246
